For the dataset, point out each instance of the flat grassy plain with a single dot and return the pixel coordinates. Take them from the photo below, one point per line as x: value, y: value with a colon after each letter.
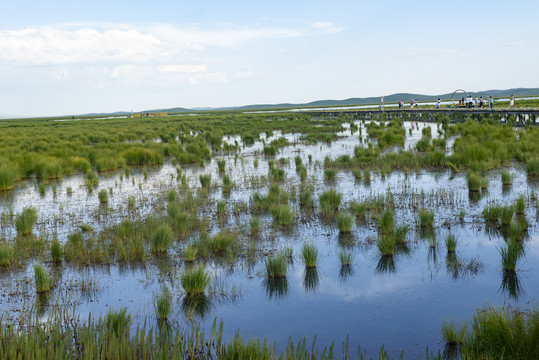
x: 179, y: 220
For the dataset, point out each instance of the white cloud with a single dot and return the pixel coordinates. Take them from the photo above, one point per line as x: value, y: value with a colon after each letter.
x: 182, y: 68
x: 326, y: 27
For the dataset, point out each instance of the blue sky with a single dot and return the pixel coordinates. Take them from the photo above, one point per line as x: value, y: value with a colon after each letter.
x: 73, y: 57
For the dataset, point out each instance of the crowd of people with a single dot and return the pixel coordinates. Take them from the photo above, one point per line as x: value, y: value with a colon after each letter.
x: 469, y: 102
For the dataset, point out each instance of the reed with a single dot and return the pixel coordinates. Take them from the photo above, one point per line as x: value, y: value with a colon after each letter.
x: 276, y: 267
x: 118, y: 323
x: 190, y: 253
x: 359, y: 209
x: 309, y: 254
x: 329, y: 202
x: 41, y: 278
x: 507, y: 215
x: 227, y: 183
x: 24, y: 222
x: 221, y: 243
x: 345, y: 221
x: 400, y: 234
x: 221, y: 165
x: 474, y: 181
x: 329, y: 174
x: 492, y: 213
x: 452, y: 336
x: 532, y: 166
x: 254, y: 224
x: 8, y: 177
x: 282, y: 214
x: 195, y: 280
x: 386, y: 222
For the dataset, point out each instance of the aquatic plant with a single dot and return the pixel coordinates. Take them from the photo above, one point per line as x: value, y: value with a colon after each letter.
x: 452, y: 336
x: 386, y: 222
x: 386, y: 245
x: 507, y: 215
x: 221, y: 165
x: 510, y: 255
x: 282, y: 214
x: 532, y: 166
x: 118, y: 322
x: 400, y: 234
x: 329, y: 202
x: 7, y: 255
x: 103, y: 196
x: 276, y: 267
x: 56, y: 251
x: 190, y: 253
x: 205, y: 180
x: 227, y: 183
x: 8, y: 177
x: 195, y: 280
x: 41, y: 278
x: 346, y: 258
x: 254, y: 224
x: 345, y: 222
x: 221, y: 208
x: 502, y: 333
x: 451, y: 243
x: 161, y: 239
x: 520, y: 205
x: 359, y: 209
x: 24, y: 222
x: 222, y: 242
x: 329, y: 174
x: 426, y: 218
x: 309, y: 254
x: 163, y: 304
x: 507, y: 178
x: 474, y: 181
x: 462, y: 214
x: 492, y: 213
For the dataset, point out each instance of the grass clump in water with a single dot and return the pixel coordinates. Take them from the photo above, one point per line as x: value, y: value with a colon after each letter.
x: 56, y: 251
x: 386, y: 222
x: 309, y: 253
x: 190, y: 253
x: 161, y: 239
x: 474, y: 181
x: 507, y: 215
x: 510, y: 255
x: 163, y: 304
x: 221, y: 165
x: 386, y: 245
x: 8, y: 177
x: 195, y: 281
x: 329, y: 203
x: 346, y: 258
x: 426, y: 218
x: 329, y: 174
x: 507, y: 178
x: 276, y: 267
x: 118, y: 322
x: 282, y: 214
x: 345, y: 222
x: 103, y: 196
x: 451, y: 243
x: 221, y: 243
x: 400, y: 234
x: 7, y: 255
x: 41, y: 278
x: 492, y: 213
x: 24, y: 222
x: 205, y: 180
x: 520, y: 205
x: 452, y: 336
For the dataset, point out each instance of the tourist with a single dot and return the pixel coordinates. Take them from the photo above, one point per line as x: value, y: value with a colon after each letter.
x: 511, y: 101
x: 490, y: 102
x: 481, y: 102
x: 438, y: 104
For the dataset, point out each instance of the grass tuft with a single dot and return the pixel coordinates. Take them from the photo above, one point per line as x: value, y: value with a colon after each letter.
x: 345, y: 221
x: 41, y: 278
x: 451, y: 243
x: 163, y: 304
x: 276, y: 267
x: 24, y: 222
x: 309, y: 253
x: 56, y: 251
x: 195, y: 281
x: 161, y: 239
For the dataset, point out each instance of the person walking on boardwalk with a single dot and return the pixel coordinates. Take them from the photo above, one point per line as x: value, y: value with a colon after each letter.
x: 490, y: 102
x: 438, y: 104
x: 511, y: 101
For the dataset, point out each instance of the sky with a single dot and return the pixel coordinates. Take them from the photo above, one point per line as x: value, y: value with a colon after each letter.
x: 75, y: 57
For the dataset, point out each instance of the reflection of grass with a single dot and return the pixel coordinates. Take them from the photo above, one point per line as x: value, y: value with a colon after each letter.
x: 511, y: 284
x: 451, y: 243
x: 459, y: 267
x: 311, y: 279
x: 386, y: 264
x: 510, y: 255
x: 346, y: 258
x: 276, y: 288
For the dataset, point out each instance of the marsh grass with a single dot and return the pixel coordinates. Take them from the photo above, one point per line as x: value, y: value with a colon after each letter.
x: 103, y: 196
x: 346, y: 258
x: 345, y: 221
x: 161, y: 239
x: 205, y: 180
x: 195, y: 280
x: 386, y: 222
x: 254, y: 225
x: 163, y: 304
x: 329, y: 203
x: 24, y: 222
x: 8, y: 177
x: 453, y: 336
x: 282, y: 214
x: 386, y: 245
x: 85, y: 227
x: 221, y: 208
x: 56, y: 251
x: 400, y: 234
x: 510, y: 255
x: 426, y: 218
x: 520, y: 205
x: 502, y: 333
x: 190, y: 253
x: 118, y: 322
x: 507, y: 178
x: 507, y: 215
x: 222, y: 243
x: 276, y: 267
x: 492, y: 213
x: 451, y: 243
x: 41, y: 278
x: 221, y: 165
x: 7, y: 255
x: 532, y: 166
x: 329, y: 174
x: 227, y: 183
x: 462, y: 214
x: 358, y: 174
x: 474, y: 181
x: 359, y: 208
x: 309, y: 254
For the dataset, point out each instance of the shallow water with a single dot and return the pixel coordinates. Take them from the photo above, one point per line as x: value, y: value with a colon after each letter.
x: 399, y: 303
